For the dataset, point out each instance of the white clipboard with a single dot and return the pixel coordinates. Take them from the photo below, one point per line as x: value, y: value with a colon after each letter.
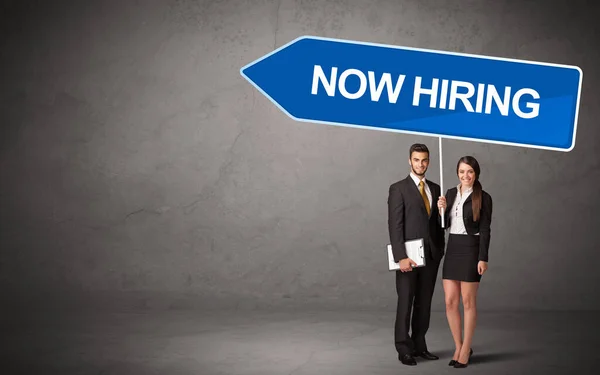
x: 415, y: 251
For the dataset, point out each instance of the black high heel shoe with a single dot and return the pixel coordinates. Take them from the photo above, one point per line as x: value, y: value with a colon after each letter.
x: 457, y: 364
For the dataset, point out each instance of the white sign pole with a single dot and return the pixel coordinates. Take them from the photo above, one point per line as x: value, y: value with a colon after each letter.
x: 441, y: 179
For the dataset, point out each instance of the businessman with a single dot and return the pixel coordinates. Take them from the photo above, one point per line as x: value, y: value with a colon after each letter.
x: 413, y: 214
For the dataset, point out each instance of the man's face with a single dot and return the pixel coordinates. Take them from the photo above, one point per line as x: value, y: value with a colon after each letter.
x: 419, y: 161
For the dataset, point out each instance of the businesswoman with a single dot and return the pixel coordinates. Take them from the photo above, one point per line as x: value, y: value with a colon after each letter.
x: 469, y: 220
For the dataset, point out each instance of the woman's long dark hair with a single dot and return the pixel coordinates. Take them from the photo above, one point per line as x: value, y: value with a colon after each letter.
x: 477, y: 189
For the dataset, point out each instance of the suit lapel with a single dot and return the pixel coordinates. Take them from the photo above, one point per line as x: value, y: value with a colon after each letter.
x: 432, y: 190
x: 451, y: 198
x: 469, y: 198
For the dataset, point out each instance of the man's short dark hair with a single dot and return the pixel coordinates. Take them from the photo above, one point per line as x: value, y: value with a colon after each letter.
x: 418, y: 147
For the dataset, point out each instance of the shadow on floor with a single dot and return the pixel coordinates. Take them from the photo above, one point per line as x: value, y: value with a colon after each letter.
x: 443, y: 353
x: 498, y: 356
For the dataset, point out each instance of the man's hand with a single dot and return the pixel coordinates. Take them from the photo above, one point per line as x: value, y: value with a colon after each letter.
x: 407, y: 264
x: 481, y: 267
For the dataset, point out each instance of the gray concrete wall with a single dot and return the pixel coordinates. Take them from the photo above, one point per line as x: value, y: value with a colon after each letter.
x: 138, y: 166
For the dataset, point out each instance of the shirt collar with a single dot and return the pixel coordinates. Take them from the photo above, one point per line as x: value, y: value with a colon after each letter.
x: 416, y: 179
x: 469, y: 190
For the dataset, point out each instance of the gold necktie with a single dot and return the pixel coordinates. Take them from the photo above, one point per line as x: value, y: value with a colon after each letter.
x: 424, y: 195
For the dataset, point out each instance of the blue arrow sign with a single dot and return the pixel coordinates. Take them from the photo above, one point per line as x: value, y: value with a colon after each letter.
x: 424, y: 92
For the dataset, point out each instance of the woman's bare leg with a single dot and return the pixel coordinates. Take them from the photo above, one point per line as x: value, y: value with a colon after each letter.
x: 469, y: 299
x: 452, y: 297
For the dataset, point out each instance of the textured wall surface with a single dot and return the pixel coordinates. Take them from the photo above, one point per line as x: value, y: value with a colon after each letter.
x: 135, y: 158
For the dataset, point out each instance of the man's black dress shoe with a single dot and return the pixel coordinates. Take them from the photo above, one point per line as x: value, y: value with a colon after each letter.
x: 407, y: 359
x: 460, y: 365
x: 425, y: 354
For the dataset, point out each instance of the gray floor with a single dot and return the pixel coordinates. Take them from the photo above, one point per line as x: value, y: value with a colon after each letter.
x: 263, y: 343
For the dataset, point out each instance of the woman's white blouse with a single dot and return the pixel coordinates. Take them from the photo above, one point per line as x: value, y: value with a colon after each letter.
x: 457, y: 225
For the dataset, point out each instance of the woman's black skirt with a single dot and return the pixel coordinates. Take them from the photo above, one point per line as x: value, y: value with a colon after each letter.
x: 461, y: 258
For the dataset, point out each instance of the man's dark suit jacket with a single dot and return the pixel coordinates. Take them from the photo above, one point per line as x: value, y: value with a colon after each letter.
x: 407, y: 219
x: 481, y: 226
